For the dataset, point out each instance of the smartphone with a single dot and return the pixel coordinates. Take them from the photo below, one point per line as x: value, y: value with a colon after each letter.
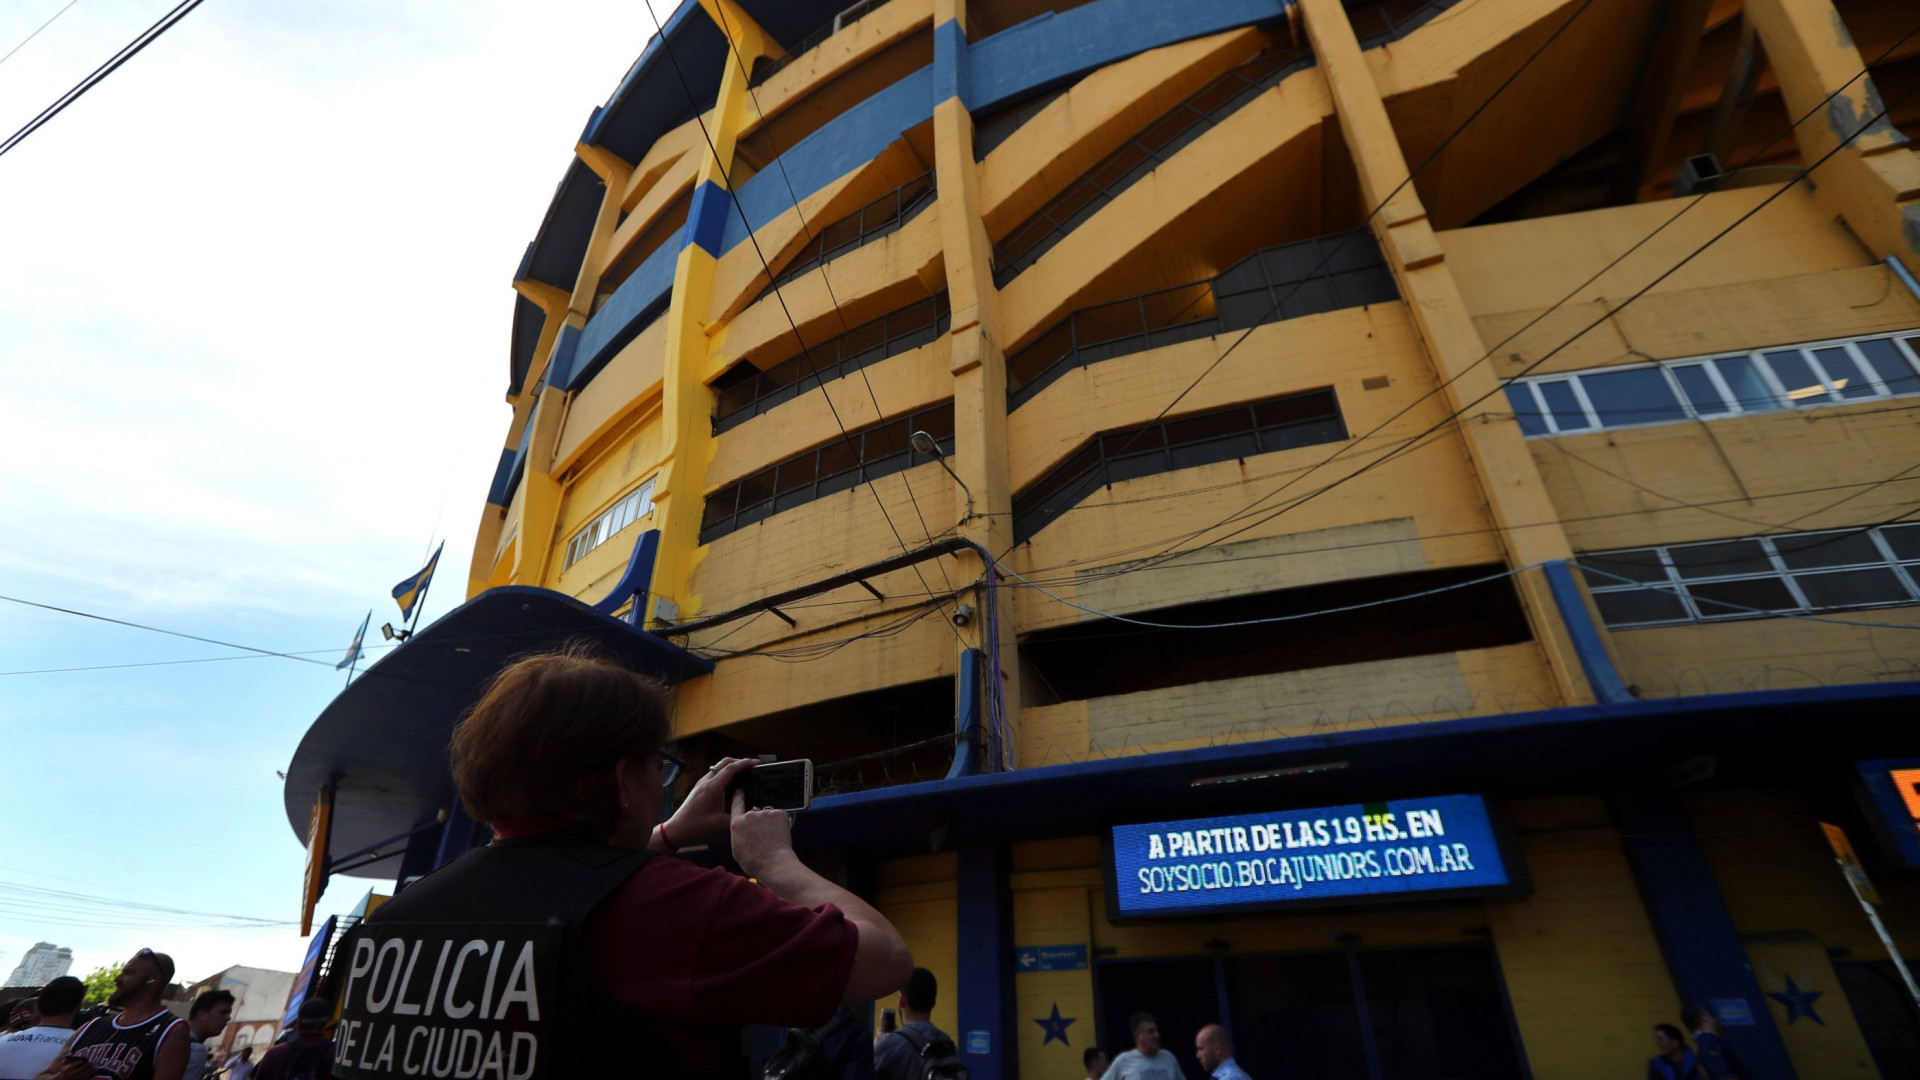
x: 780, y: 785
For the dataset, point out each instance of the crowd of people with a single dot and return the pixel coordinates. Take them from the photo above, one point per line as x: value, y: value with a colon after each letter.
x: 1709, y: 1058
x: 134, y: 1036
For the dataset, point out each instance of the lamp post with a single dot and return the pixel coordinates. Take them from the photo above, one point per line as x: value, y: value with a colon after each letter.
x: 924, y: 443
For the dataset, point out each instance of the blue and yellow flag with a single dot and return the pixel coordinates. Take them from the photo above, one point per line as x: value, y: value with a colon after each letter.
x: 353, y: 650
x: 409, y: 592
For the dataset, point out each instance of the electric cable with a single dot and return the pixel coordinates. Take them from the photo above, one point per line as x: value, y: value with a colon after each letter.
x: 666, y: 48
x: 1539, y: 316
x: 36, y: 32
x: 159, y: 630
x: 99, y: 74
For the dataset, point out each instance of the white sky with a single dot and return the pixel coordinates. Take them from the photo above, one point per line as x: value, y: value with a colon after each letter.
x: 254, y: 308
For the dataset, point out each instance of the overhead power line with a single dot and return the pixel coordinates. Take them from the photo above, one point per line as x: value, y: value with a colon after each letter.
x: 99, y: 74
x: 36, y: 31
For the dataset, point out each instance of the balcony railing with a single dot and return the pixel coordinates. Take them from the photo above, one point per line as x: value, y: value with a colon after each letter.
x: 1284, y: 282
x: 846, y: 18
x: 879, y: 218
x: 910, y: 327
x: 1140, y: 155
x: 1377, y: 23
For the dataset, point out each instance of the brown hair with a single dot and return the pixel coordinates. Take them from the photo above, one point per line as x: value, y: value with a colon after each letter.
x: 543, y: 739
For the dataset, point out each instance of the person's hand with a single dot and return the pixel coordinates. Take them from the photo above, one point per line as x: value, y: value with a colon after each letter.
x: 761, y: 838
x: 72, y: 1069
x: 704, y: 813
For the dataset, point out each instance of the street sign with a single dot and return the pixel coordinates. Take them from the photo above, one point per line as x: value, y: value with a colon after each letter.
x: 1050, y: 958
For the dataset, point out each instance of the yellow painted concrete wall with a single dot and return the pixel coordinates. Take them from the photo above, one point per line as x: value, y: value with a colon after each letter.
x: 919, y: 896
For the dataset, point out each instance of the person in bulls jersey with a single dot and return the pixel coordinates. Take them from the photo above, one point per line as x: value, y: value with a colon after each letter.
x: 574, y: 945
x: 143, y: 1042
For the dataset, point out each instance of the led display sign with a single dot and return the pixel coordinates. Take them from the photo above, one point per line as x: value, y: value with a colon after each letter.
x: 1388, y: 850
x: 1894, y: 788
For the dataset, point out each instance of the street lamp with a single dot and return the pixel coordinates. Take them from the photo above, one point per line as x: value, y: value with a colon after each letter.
x: 924, y: 443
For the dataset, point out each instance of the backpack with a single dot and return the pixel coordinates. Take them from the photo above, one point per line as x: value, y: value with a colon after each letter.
x: 939, y: 1059
x: 803, y: 1056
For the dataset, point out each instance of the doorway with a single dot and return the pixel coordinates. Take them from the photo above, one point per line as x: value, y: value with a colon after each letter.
x: 1435, y: 1013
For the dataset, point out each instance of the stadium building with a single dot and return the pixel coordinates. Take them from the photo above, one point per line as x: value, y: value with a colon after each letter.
x: 1389, y: 526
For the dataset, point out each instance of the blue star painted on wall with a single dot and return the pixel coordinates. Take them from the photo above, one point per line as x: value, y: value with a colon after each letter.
x: 1055, y: 1026
x: 1799, y: 1002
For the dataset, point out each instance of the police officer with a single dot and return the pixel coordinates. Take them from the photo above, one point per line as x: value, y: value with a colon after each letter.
x: 574, y: 944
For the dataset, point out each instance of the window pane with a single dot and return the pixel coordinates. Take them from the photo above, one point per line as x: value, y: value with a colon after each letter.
x: 1565, y: 407
x: 1636, y: 606
x: 1750, y: 389
x: 1893, y: 368
x: 1195, y: 429
x: 1640, y: 396
x: 1903, y: 539
x: 1642, y: 564
x: 1729, y: 599
x: 1701, y: 393
x: 1845, y: 373
x: 1722, y: 559
x: 1524, y: 409
x: 1852, y: 588
x: 1296, y: 409
x: 1811, y: 551
x: 1803, y: 387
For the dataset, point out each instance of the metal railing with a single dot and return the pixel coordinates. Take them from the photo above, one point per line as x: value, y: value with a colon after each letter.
x: 910, y: 327
x: 1184, y: 442
x: 1270, y: 285
x: 1376, y: 24
x: 879, y: 218
x: 1147, y: 150
x: 846, y: 18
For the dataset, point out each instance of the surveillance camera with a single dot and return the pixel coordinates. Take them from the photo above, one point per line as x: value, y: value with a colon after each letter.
x: 963, y: 615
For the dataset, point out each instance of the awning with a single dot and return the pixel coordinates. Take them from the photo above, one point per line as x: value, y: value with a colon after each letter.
x: 385, y: 737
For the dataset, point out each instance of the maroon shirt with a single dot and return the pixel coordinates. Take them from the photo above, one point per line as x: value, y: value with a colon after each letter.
x: 678, y: 942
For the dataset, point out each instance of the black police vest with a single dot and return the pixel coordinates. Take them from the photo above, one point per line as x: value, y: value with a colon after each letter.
x: 479, y: 971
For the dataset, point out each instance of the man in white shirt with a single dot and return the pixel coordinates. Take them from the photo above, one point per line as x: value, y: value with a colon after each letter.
x: 24, y: 1053
x: 1214, y: 1048
x: 240, y: 1065
x: 1146, y: 1061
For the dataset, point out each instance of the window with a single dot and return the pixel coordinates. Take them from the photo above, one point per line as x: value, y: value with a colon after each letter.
x: 861, y: 455
x: 1796, y: 377
x: 631, y: 507
x: 1834, y: 570
x: 1184, y: 442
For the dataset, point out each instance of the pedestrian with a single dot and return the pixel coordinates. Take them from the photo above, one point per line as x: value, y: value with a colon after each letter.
x: 1673, y: 1059
x: 240, y: 1065
x: 653, y: 959
x: 1710, y: 1044
x: 887, y: 1025
x: 1095, y: 1059
x: 918, y: 1049
x: 310, y: 1055
x: 1214, y: 1048
x: 143, y: 1042
x: 206, y: 1019
x: 1146, y: 1061
x: 24, y: 1053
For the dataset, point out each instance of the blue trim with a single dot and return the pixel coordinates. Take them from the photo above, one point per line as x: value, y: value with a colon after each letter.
x: 1704, y: 954
x: 632, y: 308
x: 1587, y: 643
x: 984, y: 936
x: 966, y: 749
x: 421, y: 852
x: 500, y: 492
x: 636, y: 580
x: 1895, y: 824
x: 949, y: 61
x: 458, y: 837
x: 560, y: 368
x: 707, y: 221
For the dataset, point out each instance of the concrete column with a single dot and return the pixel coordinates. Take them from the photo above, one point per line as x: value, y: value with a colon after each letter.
x: 985, y: 948
x: 1508, y: 477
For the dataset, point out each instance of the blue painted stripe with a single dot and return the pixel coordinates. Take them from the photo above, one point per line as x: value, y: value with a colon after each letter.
x: 707, y: 221
x: 498, y: 493
x: 984, y: 934
x: 949, y: 61
x: 560, y: 368
x: 637, y: 302
x: 1587, y: 643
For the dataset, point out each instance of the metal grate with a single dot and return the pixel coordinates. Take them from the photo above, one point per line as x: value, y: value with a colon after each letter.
x: 1270, y: 285
x: 879, y: 218
x: 917, y: 324
x: 846, y: 18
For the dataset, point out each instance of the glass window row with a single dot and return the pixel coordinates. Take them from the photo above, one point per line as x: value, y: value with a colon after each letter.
x: 631, y: 507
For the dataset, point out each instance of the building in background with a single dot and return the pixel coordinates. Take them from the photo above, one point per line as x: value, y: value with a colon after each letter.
x: 1386, y: 526
x: 41, y: 965
x: 259, y: 1000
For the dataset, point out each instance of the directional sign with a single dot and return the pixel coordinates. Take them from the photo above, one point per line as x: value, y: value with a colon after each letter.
x: 1050, y: 958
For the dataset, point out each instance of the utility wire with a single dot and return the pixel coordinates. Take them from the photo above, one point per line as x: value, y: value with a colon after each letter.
x: 159, y: 630
x: 99, y: 74
x: 1522, y: 329
x: 666, y: 48
x: 36, y: 32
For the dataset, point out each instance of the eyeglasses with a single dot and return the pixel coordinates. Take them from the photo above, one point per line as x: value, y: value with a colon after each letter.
x: 672, y: 769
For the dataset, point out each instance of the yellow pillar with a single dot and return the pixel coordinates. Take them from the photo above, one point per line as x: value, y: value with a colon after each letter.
x: 1508, y: 477
x: 1874, y: 184
x: 686, y: 406
x: 978, y: 363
